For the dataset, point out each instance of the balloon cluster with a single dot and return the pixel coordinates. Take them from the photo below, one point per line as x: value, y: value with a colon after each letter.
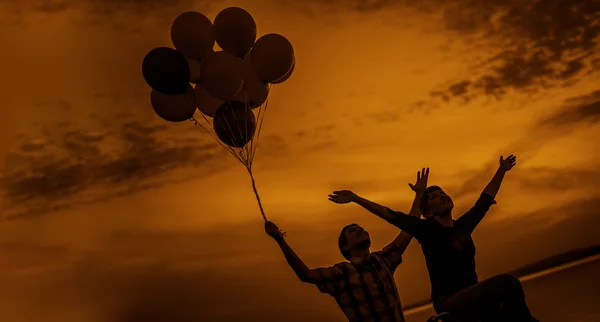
x: 231, y: 84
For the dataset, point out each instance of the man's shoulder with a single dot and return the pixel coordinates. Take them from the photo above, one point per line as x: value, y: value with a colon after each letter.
x: 341, y: 265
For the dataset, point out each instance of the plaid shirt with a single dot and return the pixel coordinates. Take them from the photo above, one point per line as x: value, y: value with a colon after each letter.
x: 365, y: 290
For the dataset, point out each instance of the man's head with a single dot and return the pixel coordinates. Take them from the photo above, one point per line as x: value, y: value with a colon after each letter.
x: 435, y: 202
x: 353, y: 237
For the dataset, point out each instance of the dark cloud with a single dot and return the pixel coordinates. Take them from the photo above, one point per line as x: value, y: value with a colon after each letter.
x: 72, y: 162
x: 538, y: 44
x: 359, y: 5
x: 531, y: 46
x: 558, y: 179
x: 535, y: 44
x: 124, y: 15
x: 73, y: 165
x: 575, y: 112
x: 321, y: 9
x: 578, y: 109
x: 136, y: 7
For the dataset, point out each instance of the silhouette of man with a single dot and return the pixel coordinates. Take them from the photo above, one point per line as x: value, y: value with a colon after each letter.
x: 450, y: 254
x: 363, y: 286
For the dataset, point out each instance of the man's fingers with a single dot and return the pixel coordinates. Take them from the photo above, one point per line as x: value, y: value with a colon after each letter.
x: 410, y: 185
x: 427, y: 173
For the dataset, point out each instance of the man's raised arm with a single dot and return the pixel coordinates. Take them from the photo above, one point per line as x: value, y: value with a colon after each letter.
x: 327, y: 279
x: 410, y: 224
x: 304, y: 273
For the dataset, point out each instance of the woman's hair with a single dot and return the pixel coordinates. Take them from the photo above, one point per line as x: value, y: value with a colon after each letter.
x: 424, y: 203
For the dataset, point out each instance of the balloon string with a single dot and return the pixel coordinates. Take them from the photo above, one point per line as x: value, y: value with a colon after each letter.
x: 197, y: 123
x: 250, y: 149
x: 261, y: 115
x: 262, y: 211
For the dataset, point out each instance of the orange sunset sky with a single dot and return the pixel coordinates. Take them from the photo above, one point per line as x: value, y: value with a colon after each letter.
x: 112, y: 214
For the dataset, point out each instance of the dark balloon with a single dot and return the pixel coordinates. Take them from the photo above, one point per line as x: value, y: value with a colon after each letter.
x: 166, y: 71
x: 234, y: 124
x: 235, y: 31
x: 192, y: 34
x: 254, y: 92
x: 174, y: 108
x: 287, y: 76
x: 272, y: 57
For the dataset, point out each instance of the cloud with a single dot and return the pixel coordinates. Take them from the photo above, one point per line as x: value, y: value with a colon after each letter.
x: 585, y: 108
x: 540, y: 44
x: 107, y: 6
x: 575, y: 112
x: 75, y: 158
x: 118, y: 14
x: 528, y: 47
x: 71, y: 165
x: 558, y: 179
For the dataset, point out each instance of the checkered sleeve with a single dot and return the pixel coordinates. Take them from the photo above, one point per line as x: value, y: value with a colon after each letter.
x: 329, y: 279
x: 391, y: 255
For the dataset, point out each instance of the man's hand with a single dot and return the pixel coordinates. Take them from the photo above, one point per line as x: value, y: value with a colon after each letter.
x: 272, y: 230
x: 343, y: 196
x: 508, y: 163
x: 421, y: 183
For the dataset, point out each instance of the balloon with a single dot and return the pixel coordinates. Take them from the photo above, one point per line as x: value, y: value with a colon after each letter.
x: 194, y: 70
x: 287, y: 76
x: 166, y: 71
x: 254, y: 92
x: 235, y: 31
x: 272, y: 57
x: 174, y: 108
x: 206, y: 103
x: 234, y: 124
x: 247, y: 67
x: 221, y: 75
x: 192, y: 34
